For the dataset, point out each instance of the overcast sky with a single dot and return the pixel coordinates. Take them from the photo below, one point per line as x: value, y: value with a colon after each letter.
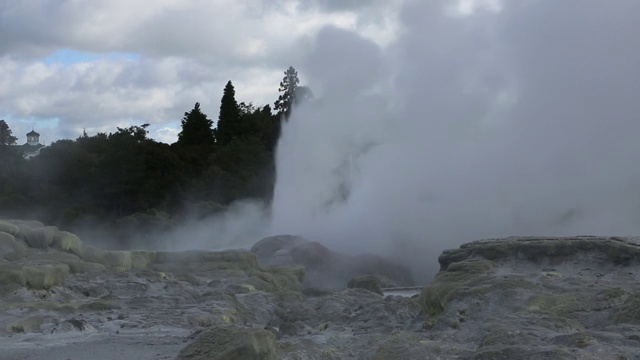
x: 69, y: 65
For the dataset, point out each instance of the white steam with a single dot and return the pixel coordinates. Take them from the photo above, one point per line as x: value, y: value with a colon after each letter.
x: 515, y: 120
x: 239, y: 226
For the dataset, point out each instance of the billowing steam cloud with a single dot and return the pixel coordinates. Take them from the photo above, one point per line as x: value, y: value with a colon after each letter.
x: 519, y: 119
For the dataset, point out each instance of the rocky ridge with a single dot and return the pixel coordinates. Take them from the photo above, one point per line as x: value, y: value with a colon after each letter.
x: 538, y: 298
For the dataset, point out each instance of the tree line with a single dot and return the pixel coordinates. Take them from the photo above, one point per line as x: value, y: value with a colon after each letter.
x: 127, y: 180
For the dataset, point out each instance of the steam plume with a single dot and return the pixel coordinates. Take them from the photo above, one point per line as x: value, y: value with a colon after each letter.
x: 519, y: 119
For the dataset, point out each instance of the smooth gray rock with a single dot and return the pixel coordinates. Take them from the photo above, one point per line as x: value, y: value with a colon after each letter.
x: 231, y: 344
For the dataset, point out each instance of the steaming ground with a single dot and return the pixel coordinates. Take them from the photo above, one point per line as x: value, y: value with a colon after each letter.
x: 240, y: 226
x: 514, y: 120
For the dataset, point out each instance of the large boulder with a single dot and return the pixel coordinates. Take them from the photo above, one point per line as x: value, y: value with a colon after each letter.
x: 40, y: 237
x: 391, y: 274
x: 9, y: 227
x: 11, y: 276
x: 325, y: 268
x: 10, y: 249
x: 68, y: 242
x: 231, y: 344
x: 45, y: 276
x: 367, y: 282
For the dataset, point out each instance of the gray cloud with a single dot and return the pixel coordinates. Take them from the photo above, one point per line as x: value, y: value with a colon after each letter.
x: 101, y: 95
x: 128, y: 62
x: 513, y: 122
x: 345, y: 4
x: 217, y: 33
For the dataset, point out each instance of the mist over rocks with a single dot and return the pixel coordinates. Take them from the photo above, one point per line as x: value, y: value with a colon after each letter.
x: 516, y: 298
x: 327, y: 269
x: 59, y: 292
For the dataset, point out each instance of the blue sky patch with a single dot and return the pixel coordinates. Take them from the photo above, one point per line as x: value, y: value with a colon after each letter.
x: 71, y: 56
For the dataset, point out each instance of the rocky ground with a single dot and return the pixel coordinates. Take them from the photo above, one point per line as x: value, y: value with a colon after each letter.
x: 287, y: 298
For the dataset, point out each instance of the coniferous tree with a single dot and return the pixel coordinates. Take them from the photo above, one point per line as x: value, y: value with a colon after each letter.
x: 229, y: 118
x: 196, y: 129
x: 288, y: 87
x: 195, y: 145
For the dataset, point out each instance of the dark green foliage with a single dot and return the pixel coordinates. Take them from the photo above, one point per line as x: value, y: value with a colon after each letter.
x: 241, y: 169
x: 292, y: 93
x: 229, y: 126
x: 11, y: 171
x: 124, y: 180
x: 13, y: 174
x: 195, y: 142
x: 288, y: 87
x: 242, y: 163
x: 102, y: 176
x: 196, y: 129
x: 12, y: 180
x: 5, y: 134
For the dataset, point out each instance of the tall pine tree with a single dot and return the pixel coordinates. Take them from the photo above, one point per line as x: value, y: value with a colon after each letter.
x: 229, y: 119
x: 196, y: 142
x: 288, y: 87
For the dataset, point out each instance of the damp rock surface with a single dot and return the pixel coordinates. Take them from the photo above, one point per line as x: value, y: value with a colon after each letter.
x: 538, y: 297
x: 513, y: 298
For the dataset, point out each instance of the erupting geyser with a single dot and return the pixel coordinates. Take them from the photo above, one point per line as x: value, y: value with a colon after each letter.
x: 511, y: 120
